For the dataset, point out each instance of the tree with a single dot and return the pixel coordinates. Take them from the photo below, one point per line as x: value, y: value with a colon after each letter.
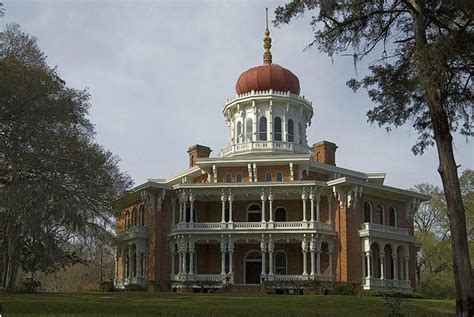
x: 423, y: 78
x: 56, y: 183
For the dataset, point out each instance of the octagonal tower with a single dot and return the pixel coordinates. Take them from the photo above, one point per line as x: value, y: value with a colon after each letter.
x: 268, y: 115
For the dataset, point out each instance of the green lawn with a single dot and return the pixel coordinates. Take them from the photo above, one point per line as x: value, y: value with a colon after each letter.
x: 170, y: 304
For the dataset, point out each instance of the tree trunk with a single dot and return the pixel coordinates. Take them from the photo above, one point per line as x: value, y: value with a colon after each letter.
x: 12, y: 260
x: 432, y: 81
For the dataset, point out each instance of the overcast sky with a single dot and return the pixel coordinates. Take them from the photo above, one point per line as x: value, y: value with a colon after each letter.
x: 160, y: 72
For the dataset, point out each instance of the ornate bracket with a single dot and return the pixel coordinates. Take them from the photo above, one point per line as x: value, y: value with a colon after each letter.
x: 153, y: 201
x: 353, y: 196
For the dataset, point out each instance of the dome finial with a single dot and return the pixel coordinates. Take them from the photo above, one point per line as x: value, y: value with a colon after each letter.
x: 267, y: 43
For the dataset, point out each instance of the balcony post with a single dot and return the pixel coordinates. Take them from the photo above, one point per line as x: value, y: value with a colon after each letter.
x: 303, y: 198
x: 263, y: 198
x: 395, y: 266
x: 173, y: 259
x: 223, y: 199
x: 263, y: 249
x: 330, y: 253
x: 304, y: 248
x: 271, y: 248
x: 230, y: 249
x: 191, y: 256
x: 223, y: 249
x: 407, y: 276
x: 382, y: 265
x: 311, y: 198
x: 231, y: 199
x: 270, y: 203
x: 368, y: 256
x: 191, y: 207
x: 184, y: 252
x: 312, y: 249
x: 329, y: 198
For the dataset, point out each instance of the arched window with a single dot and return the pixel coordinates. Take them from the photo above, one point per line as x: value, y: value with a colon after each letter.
x: 280, y: 263
x: 393, y: 216
x: 304, y: 173
x: 239, y: 178
x: 228, y: 178
x: 291, y: 131
x: 279, y: 177
x: 268, y: 177
x: 367, y: 212
x: 254, y: 213
x: 142, y: 215
x: 249, y: 130
x: 280, y: 214
x: 379, y: 215
x: 134, y: 217
x: 300, y: 134
x: 277, y: 129
x: 127, y: 219
x: 262, y: 134
x: 239, y: 132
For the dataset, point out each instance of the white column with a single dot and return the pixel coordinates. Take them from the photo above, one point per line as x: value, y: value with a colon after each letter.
x: 223, y: 199
x: 367, y: 256
x: 173, y: 259
x: 363, y: 265
x: 191, y: 258
x: 330, y: 253
x: 318, y: 207
x: 263, y: 249
x: 382, y: 265
x: 184, y: 272
x: 263, y: 198
x: 304, y: 248
x: 230, y: 249
x: 303, y: 198
x: 180, y: 262
x: 231, y: 199
x: 223, y: 248
x: 395, y: 266
x: 270, y: 203
x: 407, y: 276
x: 312, y: 248
x: 185, y: 205
x: 271, y: 248
x: 311, y: 197
x: 180, y: 211
x: 191, y: 208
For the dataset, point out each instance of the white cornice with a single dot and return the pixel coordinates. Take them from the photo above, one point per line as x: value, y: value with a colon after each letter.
x: 259, y: 159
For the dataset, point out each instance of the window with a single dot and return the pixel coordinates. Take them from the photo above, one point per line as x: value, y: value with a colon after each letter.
x: 228, y: 178
x: 367, y: 212
x: 280, y: 262
x: 279, y: 177
x: 300, y: 134
x: 277, y: 129
x: 262, y: 135
x: 304, y: 173
x: 379, y: 215
x: 393, y: 216
x: 254, y: 213
x: 291, y: 131
x: 249, y: 129
x: 280, y: 214
x: 239, y: 132
x: 239, y: 178
x: 134, y: 217
x: 142, y: 215
x: 268, y: 177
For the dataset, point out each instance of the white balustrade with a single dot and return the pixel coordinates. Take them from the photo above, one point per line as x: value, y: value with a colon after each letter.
x: 289, y: 225
x: 265, y: 146
x: 249, y: 225
x: 383, y: 228
x: 208, y: 277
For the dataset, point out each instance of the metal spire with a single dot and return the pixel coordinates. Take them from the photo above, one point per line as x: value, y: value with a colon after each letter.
x: 267, y: 43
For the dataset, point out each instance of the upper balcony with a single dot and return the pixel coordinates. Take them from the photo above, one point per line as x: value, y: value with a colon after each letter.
x: 265, y: 147
x: 131, y: 233
x: 368, y: 229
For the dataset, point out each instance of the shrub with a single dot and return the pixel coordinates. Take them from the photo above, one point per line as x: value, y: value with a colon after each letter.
x: 439, y: 287
x: 345, y: 288
x: 29, y: 286
x: 107, y: 286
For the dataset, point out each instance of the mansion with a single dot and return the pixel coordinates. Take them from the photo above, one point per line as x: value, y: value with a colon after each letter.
x: 268, y: 207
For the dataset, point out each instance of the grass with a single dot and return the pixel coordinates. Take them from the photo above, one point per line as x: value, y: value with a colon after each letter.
x: 170, y: 304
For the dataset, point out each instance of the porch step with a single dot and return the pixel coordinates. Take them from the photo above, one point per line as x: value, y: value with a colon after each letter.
x: 241, y: 288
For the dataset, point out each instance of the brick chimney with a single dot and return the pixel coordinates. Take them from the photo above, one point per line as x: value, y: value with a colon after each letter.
x: 196, y: 151
x: 325, y: 152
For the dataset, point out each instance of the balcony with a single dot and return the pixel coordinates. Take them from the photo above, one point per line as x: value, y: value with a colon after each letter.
x: 377, y: 283
x: 136, y: 232
x: 253, y: 226
x: 265, y: 146
x: 368, y: 229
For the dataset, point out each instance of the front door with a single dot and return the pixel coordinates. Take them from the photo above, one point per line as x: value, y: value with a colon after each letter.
x: 252, y: 272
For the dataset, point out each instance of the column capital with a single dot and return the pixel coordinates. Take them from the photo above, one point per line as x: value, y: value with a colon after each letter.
x: 191, y: 196
x: 303, y: 194
x: 223, y: 196
x: 230, y: 245
x: 263, y: 246
x: 271, y: 245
